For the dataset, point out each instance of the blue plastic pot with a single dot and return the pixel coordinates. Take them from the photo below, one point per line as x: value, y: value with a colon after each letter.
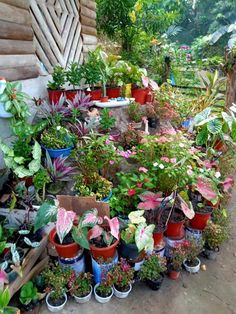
x: 54, y: 153
x: 107, y: 198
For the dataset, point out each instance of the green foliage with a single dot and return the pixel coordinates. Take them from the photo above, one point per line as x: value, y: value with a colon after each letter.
x: 4, y: 300
x: 91, y: 68
x: 215, y: 235
x: 57, y: 137
x: 28, y: 293
x: 74, y: 74
x: 40, y: 179
x: 152, y: 268
x: 58, y: 78
x: 134, y: 112
x: 80, y: 285
x: 107, y: 121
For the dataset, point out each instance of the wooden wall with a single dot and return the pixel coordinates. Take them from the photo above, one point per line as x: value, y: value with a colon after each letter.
x: 17, y: 52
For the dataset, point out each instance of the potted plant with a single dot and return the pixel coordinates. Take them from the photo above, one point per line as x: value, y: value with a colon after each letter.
x: 29, y: 298
x: 193, y: 248
x: 135, y: 115
x: 56, y: 280
x: 202, y: 216
x: 153, y: 118
x: 55, y: 87
x: 103, y: 291
x: 113, y: 89
x: 59, y: 171
x: 107, y: 120
x: 80, y: 287
x: 136, y: 237
x: 4, y: 301
x: 214, y: 235
x: 15, y: 101
x: 58, y: 141
x: 92, y: 75
x: 152, y: 271
x: 3, y: 112
x: 73, y: 75
x: 177, y: 257
x: 123, y: 275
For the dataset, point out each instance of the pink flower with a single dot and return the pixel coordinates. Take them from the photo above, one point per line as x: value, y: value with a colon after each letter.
x: 131, y: 192
x: 173, y: 160
x: 166, y: 159
x: 142, y: 169
x: 168, y: 131
x: 189, y: 172
x: 193, y: 150
x: 162, y: 140
x: 107, y: 142
x: 110, y: 114
x: 111, y: 162
x: 139, y: 185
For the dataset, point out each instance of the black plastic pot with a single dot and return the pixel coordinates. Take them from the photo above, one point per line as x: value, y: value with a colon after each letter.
x: 155, y: 284
x: 153, y: 122
x: 128, y: 251
x: 210, y: 254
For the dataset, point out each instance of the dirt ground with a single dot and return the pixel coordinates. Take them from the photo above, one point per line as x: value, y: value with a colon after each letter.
x: 212, y: 291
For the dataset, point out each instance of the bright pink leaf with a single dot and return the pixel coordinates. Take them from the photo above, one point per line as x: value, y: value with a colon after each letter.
x: 95, y: 232
x: 64, y: 222
x: 186, y: 208
x: 228, y: 184
x: 150, y: 200
x: 207, y: 189
x: 114, y: 226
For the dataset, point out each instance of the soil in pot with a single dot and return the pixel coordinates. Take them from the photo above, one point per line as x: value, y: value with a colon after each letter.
x: 122, y: 289
x: 67, y: 240
x: 103, y: 295
x: 193, y: 263
x: 56, y: 302
x: 155, y: 284
x: 31, y: 308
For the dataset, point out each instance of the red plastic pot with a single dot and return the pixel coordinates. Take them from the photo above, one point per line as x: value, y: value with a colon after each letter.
x: 70, y: 94
x: 63, y: 250
x: 104, y: 252
x: 104, y: 99
x: 158, y: 237
x: 140, y: 95
x: 220, y: 146
x: 175, y: 229
x: 95, y: 94
x: 213, y: 206
x: 174, y: 275
x: 113, y: 92
x: 200, y: 220
x: 55, y: 95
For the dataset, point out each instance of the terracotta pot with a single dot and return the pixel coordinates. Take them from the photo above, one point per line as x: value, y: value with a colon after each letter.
x: 158, y: 237
x: 104, y: 99
x: 113, y: 92
x: 149, y: 96
x: 63, y: 250
x: 173, y: 274
x: 95, y: 94
x: 200, y: 220
x: 220, y: 146
x: 104, y: 252
x: 54, y: 95
x: 70, y: 94
x: 140, y: 95
x: 175, y: 229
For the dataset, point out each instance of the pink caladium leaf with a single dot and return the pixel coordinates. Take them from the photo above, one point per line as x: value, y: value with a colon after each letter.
x: 95, y: 232
x: 114, y: 226
x: 228, y: 184
x: 64, y: 222
x: 90, y: 218
x: 145, y: 81
x: 153, y: 85
x: 143, y: 237
x: 107, y: 237
x: 187, y: 208
x: 150, y: 200
x: 208, y: 189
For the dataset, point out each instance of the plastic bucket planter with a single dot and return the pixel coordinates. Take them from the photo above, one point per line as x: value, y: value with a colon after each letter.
x: 54, y: 153
x: 85, y: 299
x: 53, y: 308
x: 128, y: 251
x: 200, y: 220
x: 104, y: 252
x: 99, y: 269
x: 95, y: 94
x: 193, y: 269
x: 113, y: 92
x: 140, y: 95
x: 101, y: 299
x: 120, y: 294
x: 76, y: 263
x: 55, y: 95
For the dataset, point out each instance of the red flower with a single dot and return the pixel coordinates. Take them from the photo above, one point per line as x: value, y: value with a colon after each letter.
x: 110, y: 114
x: 139, y: 185
x: 131, y: 192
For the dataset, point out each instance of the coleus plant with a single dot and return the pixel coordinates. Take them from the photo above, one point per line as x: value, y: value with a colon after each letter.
x: 138, y: 232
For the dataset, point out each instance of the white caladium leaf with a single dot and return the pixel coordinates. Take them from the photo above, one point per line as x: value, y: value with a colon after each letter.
x: 90, y: 218
x: 143, y: 236
x: 136, y: 217
x: 32, y: 244
x: 23, y: 232
x: 15, y: 255
x: 187, y: 208
x: 4, y: 265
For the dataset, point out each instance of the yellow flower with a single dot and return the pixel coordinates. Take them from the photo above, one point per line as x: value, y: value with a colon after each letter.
x: 154, y: 41
x: 132, y: 16
x: 138, y: 6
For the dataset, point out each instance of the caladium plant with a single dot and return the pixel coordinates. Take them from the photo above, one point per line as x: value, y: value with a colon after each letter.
x: 150, y: 200
x: 64, y: 222
x: 227, y: 184
x: 208, y: 189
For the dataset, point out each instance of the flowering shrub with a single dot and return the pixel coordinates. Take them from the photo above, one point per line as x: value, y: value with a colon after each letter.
x: 123, y: 275
x: 178, y: 255
x: 104, y: 288
x: 214, y: 235
x: 80, y: 285
x: 107, y: 121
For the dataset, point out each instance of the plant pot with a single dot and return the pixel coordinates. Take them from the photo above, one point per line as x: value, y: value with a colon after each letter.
x: 63, y: 152
x: 210, y: 254
x: 53, y: 308
x: 175, y: 229
x: 193, y: 234
x: 155, y: 284
x: 220, y: 146
x: 137, y: 125
x: 55, y: 188
x: 70, y: 94
x: 120, y: 294
x: 158, y: 237
x: 85, y: 299
x: 101, y: 299
x: 3, y: 113
x: 77, y: 263
x: 35, y: 310
x: 140, y: 95
x: 100, y: 269
x: 95, y: 94
x: 200, y: 220
x: 104, y: 99
x: 55, y: 95
x: 107, y: 198
x: 128, y: 251
x: 115, y: 135
x: 153, y: 122
x: 113, y: 92
x: 63, y: 250
x: 173, y: 274
x: 104, y: 252
x: 192, y: 269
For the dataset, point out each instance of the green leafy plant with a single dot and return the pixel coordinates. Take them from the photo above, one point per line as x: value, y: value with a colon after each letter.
x: 58, y: 78
x: 152, y: 268
x: 28, y: 293
x: 74, y: 74
x: 4, y: 300
x: 105, y: 286
x: 15, y: 101
x: 91, y: 68
x: 215, y: 235
x: 134, y: 112
x: 123, y: 275
x: 178, y: 255
x: 57, y: 137
x: 80, y: 285
x: 107, y: 121
x: 40, y: 179
x: 192, y: 248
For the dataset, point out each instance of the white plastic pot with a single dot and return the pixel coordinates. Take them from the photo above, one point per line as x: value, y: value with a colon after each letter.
x: 122, y: 295
x: 53, y: 308
x: 101, y: 299
x: 193, y: 269
x: 137, y: 125
x: 85, y: 299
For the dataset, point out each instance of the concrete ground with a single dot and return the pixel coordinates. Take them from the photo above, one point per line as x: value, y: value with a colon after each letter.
x: 212, y: 291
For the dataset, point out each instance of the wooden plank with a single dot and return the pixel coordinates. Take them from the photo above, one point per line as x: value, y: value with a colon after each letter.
x: 42, y: 56
x: 20, y: 73
x: 89, y: 40
x: 11, y: 61
x: 87, y: 21
x: 23, y: 4
x: 91, y: 4
x: 74, y: 44
x: 88, y: 12
x: 15, y: 31
x: 89, y: 30
x: 13, y: 14
x: 16, y: 47
x: 79, y: 51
